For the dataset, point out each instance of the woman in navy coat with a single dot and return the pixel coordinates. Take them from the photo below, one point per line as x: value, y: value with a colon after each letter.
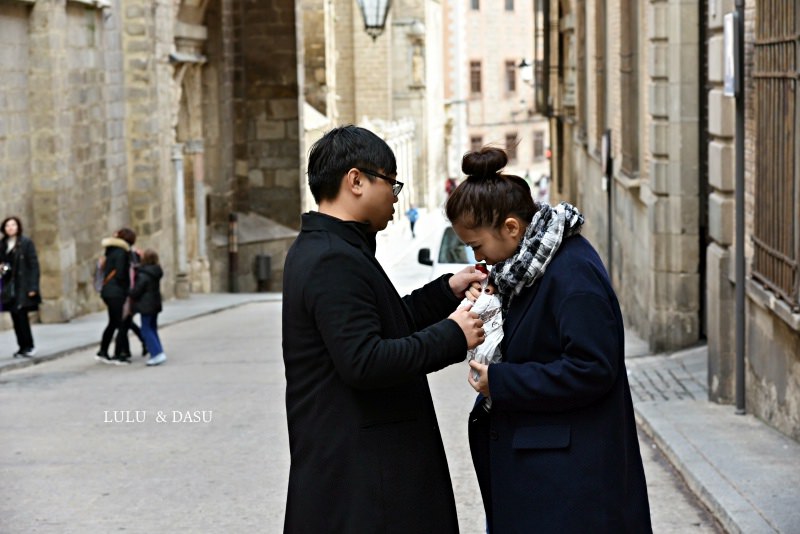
x: 552, y: 434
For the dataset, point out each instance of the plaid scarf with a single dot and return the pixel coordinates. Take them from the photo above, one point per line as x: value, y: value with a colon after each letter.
x: 544, y: 235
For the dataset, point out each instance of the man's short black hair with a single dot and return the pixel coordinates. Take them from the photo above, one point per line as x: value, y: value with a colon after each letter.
x: 341, y: 149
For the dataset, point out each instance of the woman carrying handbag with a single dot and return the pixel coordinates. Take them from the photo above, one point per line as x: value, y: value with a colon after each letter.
x: 19, y: 267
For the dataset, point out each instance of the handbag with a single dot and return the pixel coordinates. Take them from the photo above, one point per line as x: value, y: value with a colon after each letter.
x: 7, y: 292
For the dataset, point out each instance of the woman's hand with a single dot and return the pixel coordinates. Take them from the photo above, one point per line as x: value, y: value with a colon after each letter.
x: 481, y: 385
x: 31, y: 294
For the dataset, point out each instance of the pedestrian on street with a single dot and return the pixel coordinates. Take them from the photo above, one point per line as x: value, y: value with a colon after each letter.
x: 115, y: 292
x: 412, y: 215
x: 19, y: 285
x: 130, y: 324
x: 556, y: 449
x: 146, y: 295
x: 366, y: 452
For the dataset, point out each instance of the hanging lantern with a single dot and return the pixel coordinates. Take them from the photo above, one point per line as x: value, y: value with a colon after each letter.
x: 374, y: 13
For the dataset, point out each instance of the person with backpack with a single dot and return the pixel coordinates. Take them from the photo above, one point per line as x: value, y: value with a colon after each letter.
x: 19, y: 284
x: 146, y: 295
x: 115, y: 290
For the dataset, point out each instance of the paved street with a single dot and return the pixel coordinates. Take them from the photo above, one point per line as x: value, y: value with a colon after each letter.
x: 64, y: 469
x: 206, y: 447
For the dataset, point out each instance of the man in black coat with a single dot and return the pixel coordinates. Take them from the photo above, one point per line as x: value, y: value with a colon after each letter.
x: 366, y: 453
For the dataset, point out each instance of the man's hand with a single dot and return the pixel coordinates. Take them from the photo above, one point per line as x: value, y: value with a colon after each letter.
x: 470, y: 324
x: 461, y: 281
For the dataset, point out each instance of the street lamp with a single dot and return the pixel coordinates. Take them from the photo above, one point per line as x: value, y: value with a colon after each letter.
x: 374, y: 13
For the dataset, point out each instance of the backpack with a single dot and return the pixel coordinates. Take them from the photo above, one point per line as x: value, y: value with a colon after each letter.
x: 99, y: 279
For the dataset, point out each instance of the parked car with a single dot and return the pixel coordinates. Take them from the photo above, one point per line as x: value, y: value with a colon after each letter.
x: 448, y: 255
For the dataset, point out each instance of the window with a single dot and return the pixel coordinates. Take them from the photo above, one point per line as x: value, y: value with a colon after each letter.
x: 629, y: 85
x: 511, y: 146
x: 511, y: 76
x: 475, y: 4
x: 509, y: 5
x: 475, y: 143
x: 475, y: 76
x: 538, y: 146
x: 776, y: 233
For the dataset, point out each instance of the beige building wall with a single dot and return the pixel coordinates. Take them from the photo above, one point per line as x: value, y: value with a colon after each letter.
x: 721, y: 206
x: 654, y: 202
x: 391, y: 80
x: 772, y: 336
x: 493, y: 37
x: 98, y: 106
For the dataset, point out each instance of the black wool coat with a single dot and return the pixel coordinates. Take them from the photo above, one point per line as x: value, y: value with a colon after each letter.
x: 23, y: 276
x: 559, y: 451
x: 146, y: 292
x: 116, y: 269
x: 366, y: 452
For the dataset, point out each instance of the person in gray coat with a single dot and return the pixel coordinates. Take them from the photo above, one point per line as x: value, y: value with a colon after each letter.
x: 19, y: 285
x: 366, y: 453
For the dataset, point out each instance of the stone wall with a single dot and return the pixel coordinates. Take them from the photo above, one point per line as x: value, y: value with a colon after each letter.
x: 655, y: 225
x: 720, y: 276
x: 267, y: 98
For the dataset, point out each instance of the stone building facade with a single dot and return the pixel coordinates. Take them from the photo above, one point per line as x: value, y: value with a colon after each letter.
x: 165, y: 116
x: 390, y: 84
x: 489, y: 98
x: 645, y: 78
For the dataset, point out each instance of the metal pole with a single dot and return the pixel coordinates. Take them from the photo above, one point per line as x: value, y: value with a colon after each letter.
x: 739, y: 259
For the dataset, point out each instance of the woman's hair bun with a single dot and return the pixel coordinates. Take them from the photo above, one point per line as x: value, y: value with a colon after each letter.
x: 484, y: 163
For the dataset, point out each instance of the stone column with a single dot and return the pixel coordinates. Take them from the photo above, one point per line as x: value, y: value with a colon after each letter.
x: 50, y: 159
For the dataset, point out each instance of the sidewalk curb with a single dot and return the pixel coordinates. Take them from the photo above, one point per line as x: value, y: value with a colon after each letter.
x: 697, y: 488
x: 732, y: 509
x: 21, y: 363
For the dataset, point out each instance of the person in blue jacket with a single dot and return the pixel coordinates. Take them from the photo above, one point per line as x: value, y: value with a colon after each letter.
x: 552, y: 434
x: 413, y: 214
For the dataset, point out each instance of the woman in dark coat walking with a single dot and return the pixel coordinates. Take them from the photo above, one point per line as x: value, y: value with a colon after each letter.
x: 115, y: 291
x: 20, y: 282
x: 552, y: 434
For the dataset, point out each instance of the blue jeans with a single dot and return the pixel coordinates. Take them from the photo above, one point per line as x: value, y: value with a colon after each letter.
x: 150, y: 334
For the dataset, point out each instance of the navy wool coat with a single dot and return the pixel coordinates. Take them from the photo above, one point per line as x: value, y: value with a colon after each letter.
x: 559, y: 451
x: 366, y: 452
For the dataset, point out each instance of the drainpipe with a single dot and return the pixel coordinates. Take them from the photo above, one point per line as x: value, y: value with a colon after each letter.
x: 739, y: 259
x: 181, y: 278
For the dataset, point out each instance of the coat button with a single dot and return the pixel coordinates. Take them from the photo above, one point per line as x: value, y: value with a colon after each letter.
x: 493, y: 435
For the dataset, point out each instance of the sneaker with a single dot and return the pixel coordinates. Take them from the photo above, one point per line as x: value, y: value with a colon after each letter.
x: 158, y: 359
x: 121, y: 360
x: 29, y: 353
x: 104, y: 358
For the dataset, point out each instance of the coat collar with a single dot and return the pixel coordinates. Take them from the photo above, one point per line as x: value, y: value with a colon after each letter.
x: 115, y: 242
x: 355, y: 233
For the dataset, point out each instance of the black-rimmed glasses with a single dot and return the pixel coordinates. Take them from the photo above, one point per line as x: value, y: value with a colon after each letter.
x: 397, y: 186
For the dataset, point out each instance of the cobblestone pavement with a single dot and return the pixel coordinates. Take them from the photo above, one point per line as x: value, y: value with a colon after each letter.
x: 664, y: 378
